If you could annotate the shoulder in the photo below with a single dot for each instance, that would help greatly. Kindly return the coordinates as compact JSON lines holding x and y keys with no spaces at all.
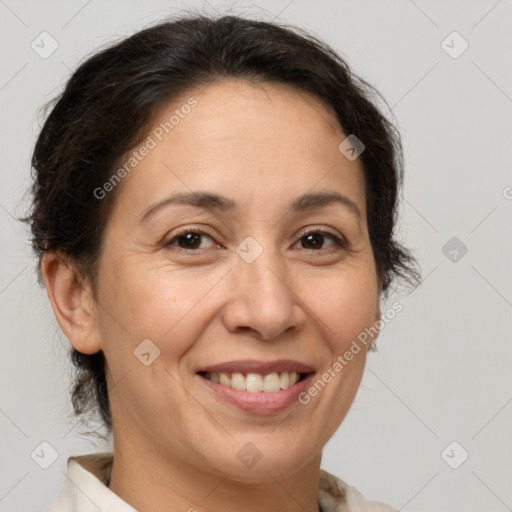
{"x":335,"y":495}
{"x":85,"y":488}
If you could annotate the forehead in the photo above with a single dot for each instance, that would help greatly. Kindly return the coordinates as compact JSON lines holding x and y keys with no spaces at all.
{"x":236,"y":109}
{"x":245,"y":140}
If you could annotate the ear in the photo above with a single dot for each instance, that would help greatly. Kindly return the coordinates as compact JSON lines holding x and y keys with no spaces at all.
{"x":72,"y":302}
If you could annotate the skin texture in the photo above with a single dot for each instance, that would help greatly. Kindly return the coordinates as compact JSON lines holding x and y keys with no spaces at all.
{"x":261,"y":146}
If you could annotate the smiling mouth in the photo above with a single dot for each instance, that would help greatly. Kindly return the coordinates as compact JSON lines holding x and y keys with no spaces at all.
{"x":255,"y":382}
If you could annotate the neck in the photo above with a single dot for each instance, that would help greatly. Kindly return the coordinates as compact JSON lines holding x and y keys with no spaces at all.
{"x":176,"y":485}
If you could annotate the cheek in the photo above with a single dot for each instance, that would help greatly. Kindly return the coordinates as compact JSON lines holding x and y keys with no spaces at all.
{"x":347,"y":304}
{"x":162,"y":305}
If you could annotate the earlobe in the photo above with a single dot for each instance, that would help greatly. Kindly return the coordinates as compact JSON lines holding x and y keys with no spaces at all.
{"x":72,"y":302}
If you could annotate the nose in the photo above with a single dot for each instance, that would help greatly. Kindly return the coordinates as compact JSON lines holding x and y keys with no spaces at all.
{"x":262,"y":297}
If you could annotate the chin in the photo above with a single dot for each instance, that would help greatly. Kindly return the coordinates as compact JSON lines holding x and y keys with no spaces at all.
{"x":261,"y":462}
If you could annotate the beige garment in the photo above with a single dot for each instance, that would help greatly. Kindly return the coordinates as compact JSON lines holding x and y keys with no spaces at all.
{"x":85,"y":490}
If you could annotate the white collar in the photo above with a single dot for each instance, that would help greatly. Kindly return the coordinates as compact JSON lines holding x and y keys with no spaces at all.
{"x":84,"y":490}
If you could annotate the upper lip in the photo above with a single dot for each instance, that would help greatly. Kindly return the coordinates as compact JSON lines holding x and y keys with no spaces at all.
{"x":262,"y":367}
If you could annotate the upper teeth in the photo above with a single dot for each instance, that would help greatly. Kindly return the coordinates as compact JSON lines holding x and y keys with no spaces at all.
{"x":254,"y":381}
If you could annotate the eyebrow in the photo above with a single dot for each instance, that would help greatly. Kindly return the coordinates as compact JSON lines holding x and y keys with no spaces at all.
{"x":208,"y":200}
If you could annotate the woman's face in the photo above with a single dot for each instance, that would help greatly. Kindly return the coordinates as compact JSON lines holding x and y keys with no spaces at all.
{"x":242,"y":282}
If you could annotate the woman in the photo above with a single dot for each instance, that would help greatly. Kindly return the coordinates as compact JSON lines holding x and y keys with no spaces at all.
{"x":214,"y":204}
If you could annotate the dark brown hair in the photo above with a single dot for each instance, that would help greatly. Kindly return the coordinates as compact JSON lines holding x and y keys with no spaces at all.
{"x":111,"y":99}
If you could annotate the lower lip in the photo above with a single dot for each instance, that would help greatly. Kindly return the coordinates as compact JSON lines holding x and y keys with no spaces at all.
{"x":259,"y":402}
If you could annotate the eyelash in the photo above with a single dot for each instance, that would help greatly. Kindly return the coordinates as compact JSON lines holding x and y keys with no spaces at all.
{"x":339,"y":242}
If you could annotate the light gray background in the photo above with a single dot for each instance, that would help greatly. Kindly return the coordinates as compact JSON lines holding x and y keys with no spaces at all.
{"x":443,"y":369}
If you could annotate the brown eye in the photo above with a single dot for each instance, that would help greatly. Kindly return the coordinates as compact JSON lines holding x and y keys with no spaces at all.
{"x":313,"y":240}
{"x":187,"y":240}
